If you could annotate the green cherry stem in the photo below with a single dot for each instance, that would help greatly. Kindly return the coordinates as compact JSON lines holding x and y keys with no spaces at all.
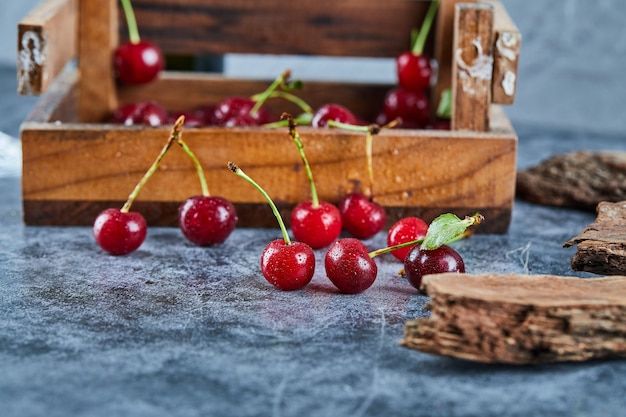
{"x":194,"y":159}
{"x":444,"y":109}
{"x":293,"y":132}
{"x":304,"y":106}
{"x":418,"y":46}
{"x":131,"y":22}
{"x":301,"y":119}
{"x":238,"y":171}
{"x":394,"y":247}
{"x":174,"y":135}
{"x":262,"y":97}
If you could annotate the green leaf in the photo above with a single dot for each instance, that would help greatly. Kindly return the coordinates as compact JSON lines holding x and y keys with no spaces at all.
{"x":447,"y":228}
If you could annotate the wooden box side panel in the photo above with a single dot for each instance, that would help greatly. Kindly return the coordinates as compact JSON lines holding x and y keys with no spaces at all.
{"x":413,"y":170}
{"x":367,"y":28}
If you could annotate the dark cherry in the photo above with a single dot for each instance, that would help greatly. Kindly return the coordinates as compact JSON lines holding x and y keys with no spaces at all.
{"x":349,"y":266}
{"x":191,"y":118}
{"x":119,"y":233}
{"x":360,"y":216}
{"x":316,"y":226}
{"x":335,"y":112}
{"x":206,"y":113}
{"x":235,"y":110}
{"x":410,"y":106}
{"x":405,"y":230}
{"x":142,"y":113}
{"x":414,"y":71}
{"x":137,"y":63}
{"x":288,"y":266}
{"x":420,"y":262}
{"x":207,"y":220}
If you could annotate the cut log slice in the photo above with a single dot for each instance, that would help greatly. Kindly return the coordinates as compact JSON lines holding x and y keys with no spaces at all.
{"x":521,"y":319}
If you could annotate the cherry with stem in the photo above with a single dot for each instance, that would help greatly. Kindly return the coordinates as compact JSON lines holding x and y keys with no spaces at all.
{"x":136,"y":61}
{"x":413,"y":67}
{"x":288,"y":265}
{"x":352,"y":269}
{"x":121,"y":231}
{"x":314,"y":222}
{"x":204,"y":219}
{"x":360,"y":216}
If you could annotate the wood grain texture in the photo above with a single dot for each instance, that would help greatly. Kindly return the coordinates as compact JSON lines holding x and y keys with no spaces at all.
{"x":472,"y":68}
{"x":601,"y":246}
{"x":46,"y":43}
{"x":346,"y":28}
{"x":444,"y":35}
{"x":508,"y":42}
{"x":98,"y":37}
{"x":521,"y":319}
{"x":96,"y":162}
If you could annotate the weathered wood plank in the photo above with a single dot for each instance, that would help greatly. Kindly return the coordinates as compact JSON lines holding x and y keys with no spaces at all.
{"x":46,"y":43}
{"x":98,"y":37}
{"x":508,"y":40}
{"x":472,"y":68}
{"x":444,"y":33}
{"x":364,"y":28}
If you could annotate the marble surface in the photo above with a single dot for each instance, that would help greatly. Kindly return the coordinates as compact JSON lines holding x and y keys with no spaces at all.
{"x":174,"y":329}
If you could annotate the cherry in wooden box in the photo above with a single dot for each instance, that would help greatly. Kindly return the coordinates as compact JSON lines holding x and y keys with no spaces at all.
{"x":74,"y":165}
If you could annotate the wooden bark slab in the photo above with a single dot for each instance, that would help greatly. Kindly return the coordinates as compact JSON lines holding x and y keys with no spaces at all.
{"x":601,"y":247}
{"x":578,"y":180}
{"x":522,"y":319}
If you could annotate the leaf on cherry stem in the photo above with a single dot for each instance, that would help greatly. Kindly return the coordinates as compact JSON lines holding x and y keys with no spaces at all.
{"x":448,"y":228}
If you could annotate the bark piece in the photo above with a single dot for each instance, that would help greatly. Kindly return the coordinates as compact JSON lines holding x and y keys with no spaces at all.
{"x":576,"y":180}
{"x":601,"y":246}
{"x":521,"y":319}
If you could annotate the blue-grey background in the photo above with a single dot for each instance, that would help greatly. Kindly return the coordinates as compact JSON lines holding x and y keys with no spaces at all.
{"x":571,"y":72}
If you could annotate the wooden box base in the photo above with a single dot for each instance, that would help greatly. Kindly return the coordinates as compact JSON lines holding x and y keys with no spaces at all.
{"x":71,"y":171}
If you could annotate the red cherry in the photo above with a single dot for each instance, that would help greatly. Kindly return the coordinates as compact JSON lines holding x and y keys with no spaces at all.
{"x":410,"y":106}
{"x":206,"y":113}
{"x":288,"y":266}
{"x":414,"y":72}
{"x":405,"y":230}
{"x":191,"y":118}
{"x":361,"y":217}
{"x":335,"y":112}
{"x":137,"y":63}
{"x":234,"y":110}
{"x":207,"y":220}
{"x":349,"y":266}
{"x":119,"y":233}
{"x":317,"y":226}
{"x":420,"y":262}
{"x":142,"y":113}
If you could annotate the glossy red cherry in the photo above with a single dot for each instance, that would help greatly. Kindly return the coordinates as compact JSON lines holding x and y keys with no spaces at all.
{"x":414,"y":71}
{"x":361,"y":217}
{"x":206,"y":113}
{"x":316,"y":226}
{"x":335,"y":112}
{"x":235,"y":111}
{"x":148,"y":113}
{"x":137,"y":63}
{"x":349,"y":266}
{"x":119,"y":233}
{"x":207,"y":220}
{"x":405,"y":230}
{"x":191,"y":118}
{"x":410,"y":106}
{"x":420,"y":262}
{"x":288,"y":266}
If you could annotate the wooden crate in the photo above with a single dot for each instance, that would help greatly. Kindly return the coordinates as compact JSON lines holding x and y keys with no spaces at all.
{"x":74,"y":165}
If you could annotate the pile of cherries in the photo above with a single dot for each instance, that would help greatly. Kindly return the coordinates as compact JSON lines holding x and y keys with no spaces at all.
{"x":207,"y":220}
